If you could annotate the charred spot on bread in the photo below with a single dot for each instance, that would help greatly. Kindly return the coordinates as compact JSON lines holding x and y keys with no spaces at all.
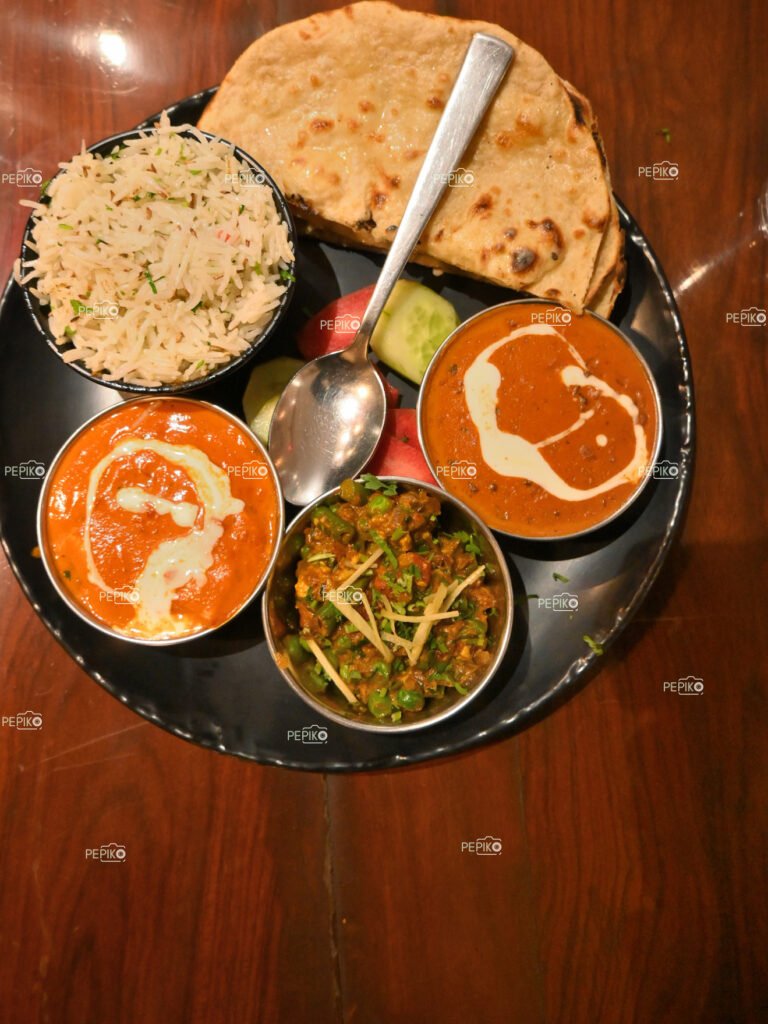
{"x":550,"y":231}
{"x":578,"y":109}
{"x":301,"y":204}
{"x":483,"y":205}
{"x":593,"y":221}
{"x":600,"y":148}
{"x":522,"y":260}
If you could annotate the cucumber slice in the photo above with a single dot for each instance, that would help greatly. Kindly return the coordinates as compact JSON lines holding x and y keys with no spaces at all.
{"x":265,"y":386}
{"x":413,"y":325}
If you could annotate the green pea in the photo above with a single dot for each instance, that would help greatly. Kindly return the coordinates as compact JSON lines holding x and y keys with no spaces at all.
{"x":379,"y":703}
{"x":410,"y":700}
{"x":379,"y":504}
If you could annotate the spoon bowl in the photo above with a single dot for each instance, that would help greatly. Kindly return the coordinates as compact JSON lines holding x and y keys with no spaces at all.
{"x":327,"y":424}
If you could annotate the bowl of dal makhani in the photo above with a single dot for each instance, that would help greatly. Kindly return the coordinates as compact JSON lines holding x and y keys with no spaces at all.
{"x":160,"y":519}
{"x":547,"y":424}
{"x":158,"y":260}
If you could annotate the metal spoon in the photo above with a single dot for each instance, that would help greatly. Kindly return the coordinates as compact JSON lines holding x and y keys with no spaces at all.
{"x":331,"y":415}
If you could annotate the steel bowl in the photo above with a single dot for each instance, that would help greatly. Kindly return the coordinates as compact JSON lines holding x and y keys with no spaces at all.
{"x":40,"y":315}
{"x":279,"y":614}
{"x":627,"y":341}
{"x":47,"y":556}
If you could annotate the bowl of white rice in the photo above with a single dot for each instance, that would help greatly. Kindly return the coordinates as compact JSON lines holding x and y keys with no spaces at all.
{"x":158,"y":260}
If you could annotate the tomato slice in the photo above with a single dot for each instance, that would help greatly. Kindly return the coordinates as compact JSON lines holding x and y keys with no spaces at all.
{"x":393,"y":395}
{"x":334,"y":327}
{"x":399,"y":452}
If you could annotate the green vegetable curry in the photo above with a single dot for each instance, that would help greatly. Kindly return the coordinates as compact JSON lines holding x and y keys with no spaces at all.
{"x":393,"y":611}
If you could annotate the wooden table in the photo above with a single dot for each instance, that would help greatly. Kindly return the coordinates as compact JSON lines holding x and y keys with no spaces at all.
{"x":631,"y":887}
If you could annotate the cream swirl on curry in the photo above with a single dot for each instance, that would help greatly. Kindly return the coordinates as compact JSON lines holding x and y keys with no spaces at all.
{"x":511,"y":455}
{"x":178,"y":560}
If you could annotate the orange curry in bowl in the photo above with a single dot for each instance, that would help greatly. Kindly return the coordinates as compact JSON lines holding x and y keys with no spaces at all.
{"x":160,"y":518}
{"x":544,"y":422}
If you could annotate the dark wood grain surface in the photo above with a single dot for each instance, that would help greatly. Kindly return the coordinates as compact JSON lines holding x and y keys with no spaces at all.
{"x":631,"y":886}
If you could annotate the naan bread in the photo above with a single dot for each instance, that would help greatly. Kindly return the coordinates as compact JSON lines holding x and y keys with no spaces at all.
{"x":608,"y":269}
{"x":341,"y":107}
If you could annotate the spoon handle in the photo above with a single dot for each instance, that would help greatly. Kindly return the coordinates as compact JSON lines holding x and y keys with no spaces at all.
{"x":482,"y":71}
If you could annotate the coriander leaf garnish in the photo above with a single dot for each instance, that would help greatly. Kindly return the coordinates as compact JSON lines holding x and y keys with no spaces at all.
{"x":149,"y":277}
{"x":593,"y":645}
{"x":469,"y":540}
{"x":559,"y":578}
{"x":372,"y":483}
{"x":286,"y":275}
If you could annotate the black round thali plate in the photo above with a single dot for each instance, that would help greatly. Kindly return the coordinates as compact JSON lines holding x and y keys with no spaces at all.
{"x":223,"y":691}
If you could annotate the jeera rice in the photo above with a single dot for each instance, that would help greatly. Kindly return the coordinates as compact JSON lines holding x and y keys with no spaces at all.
{"x":160,"y":262}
